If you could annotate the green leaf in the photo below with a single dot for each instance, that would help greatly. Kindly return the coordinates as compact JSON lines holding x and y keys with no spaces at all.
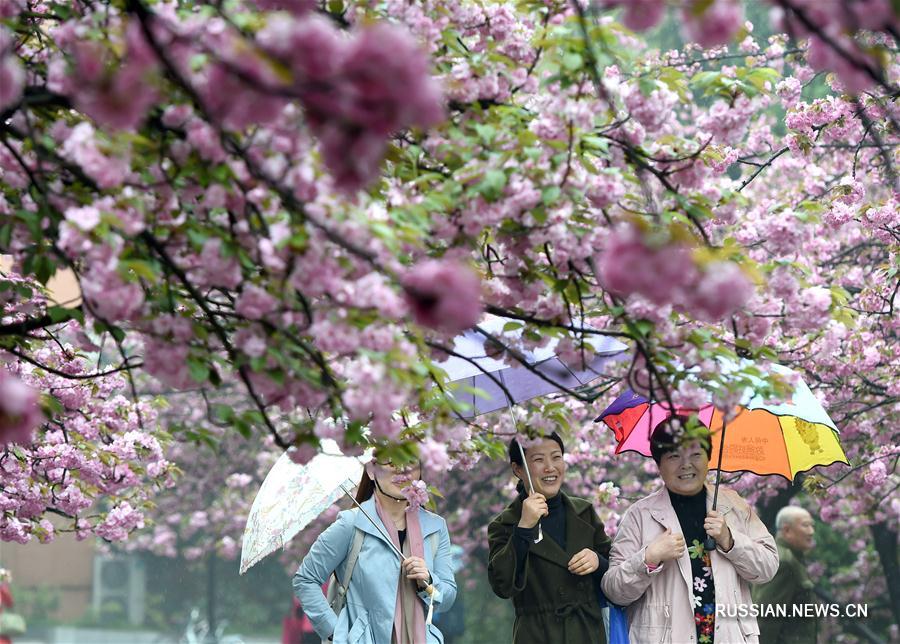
{"x":595,"y":143}
{"x":197,"y":237}
{"x":198,"y":369}
{"x":647,"y":85}
{"x":485,"y":132}
{"x":550,"y":195}
{"x":141,"y":268}
{"x":491,"y":186}
{"x":44,"y":268}
{"x":117,"y":333}
{"x":644,"y":327}
{"x":6,"y":235}
{"x":243,"y":427}
{"x":59,"y":313}
{"x":704,"y":80}
{"x":573,"y":61}
{"x":52,"y":405}
{"x":760,"y":76}
{"x":222,"y":413}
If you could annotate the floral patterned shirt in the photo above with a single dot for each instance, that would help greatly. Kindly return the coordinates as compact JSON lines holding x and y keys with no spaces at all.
{"x":691,"y":512}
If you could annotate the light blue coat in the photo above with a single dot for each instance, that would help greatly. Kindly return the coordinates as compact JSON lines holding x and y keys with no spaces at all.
{"x":368,"y":613}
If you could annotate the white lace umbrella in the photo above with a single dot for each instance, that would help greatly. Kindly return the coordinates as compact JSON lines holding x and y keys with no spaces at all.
{"x":293,"y":495}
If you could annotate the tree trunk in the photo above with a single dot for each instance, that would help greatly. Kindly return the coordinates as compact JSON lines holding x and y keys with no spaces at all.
{"x":885,"y":541}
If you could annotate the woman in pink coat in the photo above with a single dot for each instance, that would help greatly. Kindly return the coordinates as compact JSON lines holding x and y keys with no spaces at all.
{"x":674,"y":590}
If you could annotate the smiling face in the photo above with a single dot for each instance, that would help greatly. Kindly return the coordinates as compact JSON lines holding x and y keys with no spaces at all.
{"x":546,"y":465}
{"x":684,"y":470}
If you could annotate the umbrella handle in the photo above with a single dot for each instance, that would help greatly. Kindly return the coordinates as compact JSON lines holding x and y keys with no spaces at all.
{"x":540,"y":536}
{"x":709,"y":544}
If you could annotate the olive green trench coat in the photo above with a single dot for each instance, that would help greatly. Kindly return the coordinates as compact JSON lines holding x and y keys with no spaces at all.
{"x":790,"y":585}
{"x":552,"y":605}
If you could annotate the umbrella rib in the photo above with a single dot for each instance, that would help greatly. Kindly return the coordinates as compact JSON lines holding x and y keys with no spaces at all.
{"x":573,"y":374}
{"x":439,"y":347}
{"x":530,"y":367}
{"x":787,"y":452}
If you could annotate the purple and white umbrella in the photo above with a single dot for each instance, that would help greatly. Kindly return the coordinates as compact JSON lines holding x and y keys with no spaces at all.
{"x":474,"y":367}
{"x":481,"y":371}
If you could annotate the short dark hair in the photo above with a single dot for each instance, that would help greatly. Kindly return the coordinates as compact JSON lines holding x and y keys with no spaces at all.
{"x":515,"y":454}
{"x":669,"y":435}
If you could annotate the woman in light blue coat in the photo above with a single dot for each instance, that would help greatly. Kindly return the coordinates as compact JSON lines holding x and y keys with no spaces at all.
{"x":385,"y":603}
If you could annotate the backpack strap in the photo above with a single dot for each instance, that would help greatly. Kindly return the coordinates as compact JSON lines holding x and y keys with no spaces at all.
{"x":355,"y":547}
{"x":337,"y":591}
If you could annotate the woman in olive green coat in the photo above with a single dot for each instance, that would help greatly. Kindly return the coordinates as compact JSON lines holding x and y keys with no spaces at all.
{"x":554,"y":583}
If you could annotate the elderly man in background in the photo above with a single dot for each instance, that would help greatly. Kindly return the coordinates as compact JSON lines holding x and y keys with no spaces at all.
{"x":791,"y":584}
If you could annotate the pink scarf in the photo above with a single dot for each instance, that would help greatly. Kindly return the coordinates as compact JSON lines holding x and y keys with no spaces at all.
{"x":417,"y":549}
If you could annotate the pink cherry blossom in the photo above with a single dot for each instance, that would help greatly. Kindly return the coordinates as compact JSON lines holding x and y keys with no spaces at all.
{"x":640,"y":15}
{"x":167,"y":362}
{"x":109,"y":296}
{"x":876,"y":474}
{"x":119,"y":98}
{"x":20,"y":413}
{"x":12,"y":74}
{"x":812,"y":307}
{"x":217,"y":269}
{"x":302,"y":454}
{"x":386,"y":82}
{"x":356,"y":93}
{"x":628,"y":265}
{"x":434,"y":456}
{"x":711,"y":23}
{"x":233,"y":96}
{"x":721,"y":290}
{"x":443,"y":294}
{"x":107,"y":169}
{"x":85,"y":218}
{"x":255,"y":303}
{"x":297,"y":7}
{"x":852,"y":73}
{"x":416,"y":493}
{"x":605,"y":189}
{"x":120,"y":521}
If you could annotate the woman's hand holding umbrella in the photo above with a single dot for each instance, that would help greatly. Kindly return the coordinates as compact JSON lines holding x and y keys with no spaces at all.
{"x":715,"y":527}
{"x":533,"y":509}
{"x":416,"y":569}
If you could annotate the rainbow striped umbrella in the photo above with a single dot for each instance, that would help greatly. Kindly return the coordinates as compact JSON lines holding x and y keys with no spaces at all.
{"x":784,"y":439}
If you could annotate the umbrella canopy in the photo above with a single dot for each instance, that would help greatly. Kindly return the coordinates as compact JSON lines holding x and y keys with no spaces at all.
{"x":293,"y":495}
{"x":472,"y":362}
{"x":783,"y":439}
{"x":521,"y":383}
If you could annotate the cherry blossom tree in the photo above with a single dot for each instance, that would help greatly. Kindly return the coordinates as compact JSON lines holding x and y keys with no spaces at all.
{"x":99,"y":459}
{"x":304,"y":201}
